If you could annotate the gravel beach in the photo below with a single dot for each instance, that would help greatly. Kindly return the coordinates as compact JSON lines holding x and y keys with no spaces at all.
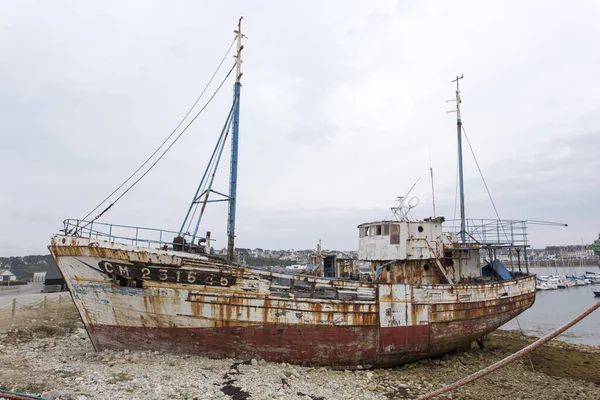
{"x":49,"y":354}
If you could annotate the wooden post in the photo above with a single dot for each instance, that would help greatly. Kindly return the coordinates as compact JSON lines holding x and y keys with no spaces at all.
{"x":59,"y":298}
{"x":14,"y":308}
{"x":45,"y":301}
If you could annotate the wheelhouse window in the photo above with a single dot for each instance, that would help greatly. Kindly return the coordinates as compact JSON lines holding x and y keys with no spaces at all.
{"x":375,"y":230}
{"x":394,"y":234}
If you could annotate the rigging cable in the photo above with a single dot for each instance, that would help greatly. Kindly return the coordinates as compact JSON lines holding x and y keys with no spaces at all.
{"x":483,"y":179}
{"x":166,"y":150}
{"x":214,"y":172}
{"x":497,"y":215}
{"x":165,"y":141}
{"x":206,"y":187}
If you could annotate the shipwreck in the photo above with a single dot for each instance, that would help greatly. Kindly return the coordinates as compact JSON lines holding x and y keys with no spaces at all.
{"x":430,"y":291}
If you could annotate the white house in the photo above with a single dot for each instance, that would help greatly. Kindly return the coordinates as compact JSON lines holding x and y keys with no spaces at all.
{"x":6,"y":275}
{"x":39,"y":276}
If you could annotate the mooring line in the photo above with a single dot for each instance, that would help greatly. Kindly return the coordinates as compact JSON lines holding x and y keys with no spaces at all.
{"x":512,"y":357}
{"x":6,"y":394}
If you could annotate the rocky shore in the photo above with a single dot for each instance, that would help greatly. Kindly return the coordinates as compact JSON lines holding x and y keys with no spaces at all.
{"x":54,"y":358}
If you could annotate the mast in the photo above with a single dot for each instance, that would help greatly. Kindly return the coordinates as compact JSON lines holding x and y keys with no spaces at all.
{"x":460,"y":161}
{"x":234,"y":146}
{"x":432,"y":191}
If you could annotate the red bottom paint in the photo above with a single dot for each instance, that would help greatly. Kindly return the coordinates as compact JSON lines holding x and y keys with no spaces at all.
{"x":334,"y":346}
{"x":314,"y":345}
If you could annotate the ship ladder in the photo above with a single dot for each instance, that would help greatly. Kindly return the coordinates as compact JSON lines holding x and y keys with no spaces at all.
{"x":440,"y":267}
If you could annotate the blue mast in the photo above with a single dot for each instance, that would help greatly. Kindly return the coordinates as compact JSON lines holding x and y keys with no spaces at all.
{"x":234,"y":146}
{"x":460,"y":162}
{"x":205,"y":188}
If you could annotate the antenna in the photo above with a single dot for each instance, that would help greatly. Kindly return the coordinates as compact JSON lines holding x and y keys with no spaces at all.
{"x":240,"y":47}
{"x":403,"y":207}
{"x":432,"y":191}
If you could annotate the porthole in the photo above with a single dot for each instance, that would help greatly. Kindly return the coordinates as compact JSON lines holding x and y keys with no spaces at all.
{"x":420,"y":229}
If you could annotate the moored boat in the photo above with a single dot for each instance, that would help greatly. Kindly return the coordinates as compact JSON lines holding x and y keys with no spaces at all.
{"x":548,"y":283}
{"x":592,"y":277}
{"x":541,"y":285}
{"x":138,"y":288}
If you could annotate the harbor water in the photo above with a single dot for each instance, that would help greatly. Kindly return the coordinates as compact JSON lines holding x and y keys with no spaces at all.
{"x":554,"y":308}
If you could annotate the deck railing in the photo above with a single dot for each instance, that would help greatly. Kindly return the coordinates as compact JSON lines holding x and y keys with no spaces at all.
{"x":493,"y":232}
{"x":127,"y":234}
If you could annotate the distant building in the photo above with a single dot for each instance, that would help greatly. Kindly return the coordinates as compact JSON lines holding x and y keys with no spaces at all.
{"x":6,"y":275}
{"x":54,"y":281}
{"x":39,"y":276}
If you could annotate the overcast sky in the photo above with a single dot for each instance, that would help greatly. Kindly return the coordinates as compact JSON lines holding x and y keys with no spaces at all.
{"x":343,"y":108}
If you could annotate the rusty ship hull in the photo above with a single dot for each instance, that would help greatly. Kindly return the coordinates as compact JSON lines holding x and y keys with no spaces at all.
{"x":137,"y":298}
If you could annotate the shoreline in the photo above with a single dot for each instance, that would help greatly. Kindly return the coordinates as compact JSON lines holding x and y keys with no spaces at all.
{"x":555,"y":358}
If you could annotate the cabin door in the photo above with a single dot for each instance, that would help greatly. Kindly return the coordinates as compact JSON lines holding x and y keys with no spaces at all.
{"x":329,"y":267}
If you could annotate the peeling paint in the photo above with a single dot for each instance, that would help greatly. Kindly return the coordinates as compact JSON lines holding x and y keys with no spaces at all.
{"x":280,"y":317}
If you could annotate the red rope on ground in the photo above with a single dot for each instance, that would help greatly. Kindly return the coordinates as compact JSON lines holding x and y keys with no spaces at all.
{"x":512,"y":357}
{"x":16,"y":396}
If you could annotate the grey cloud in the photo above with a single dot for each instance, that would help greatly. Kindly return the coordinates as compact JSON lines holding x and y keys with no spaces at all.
{"x":343,"y":107}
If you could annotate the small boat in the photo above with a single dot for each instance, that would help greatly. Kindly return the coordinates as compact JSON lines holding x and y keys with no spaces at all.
{"x":560,"y":281}
{"x":592,"y":277}
{"x":549,"y":284}
{"x":541,"y":285}
{"x":596,"y":293}
{"x":578,"y":282}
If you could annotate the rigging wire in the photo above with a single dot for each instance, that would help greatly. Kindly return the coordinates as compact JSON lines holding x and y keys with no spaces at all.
{"x":214,"y":172}
{"x":166,"y":140}
{"x":484,"y":182}
{"x":167,"y":149}
{"x":212,"y":166}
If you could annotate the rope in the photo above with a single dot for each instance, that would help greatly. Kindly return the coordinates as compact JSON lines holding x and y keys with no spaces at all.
{"x":213,"y":163}
{"x":166,"y":140}
{"x":30,"y":305}
{"x":512,"y":357}
{"x":9,"y":304}
{"x":47,"y":300}
{"x":6,"y":394}
{"x":165,"y":151}
{"x":484,"y":182}
{"x":523,"y":333}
